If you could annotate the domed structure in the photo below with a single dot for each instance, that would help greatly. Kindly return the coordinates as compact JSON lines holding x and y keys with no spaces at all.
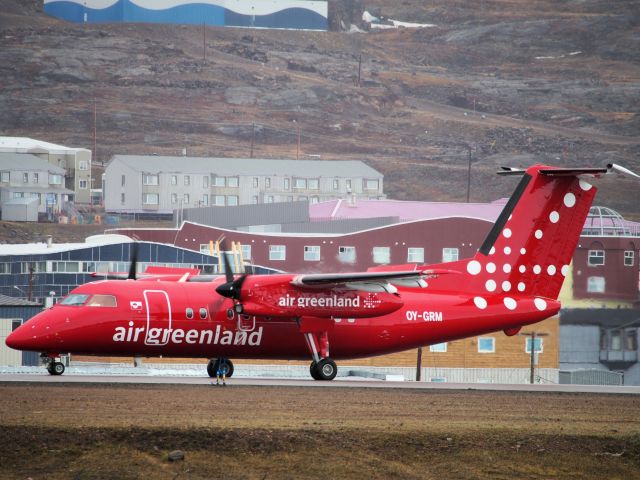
{"x":603,"y":221}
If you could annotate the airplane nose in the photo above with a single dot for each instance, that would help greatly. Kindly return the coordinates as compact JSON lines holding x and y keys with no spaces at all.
{"x":21,"y":339}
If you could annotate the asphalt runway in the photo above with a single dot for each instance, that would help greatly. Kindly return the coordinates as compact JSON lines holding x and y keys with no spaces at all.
{"x":337,"y":383}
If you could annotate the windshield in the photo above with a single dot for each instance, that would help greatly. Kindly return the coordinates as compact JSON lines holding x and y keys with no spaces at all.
{"x":74,"y":299}
{"x":102,"y":301}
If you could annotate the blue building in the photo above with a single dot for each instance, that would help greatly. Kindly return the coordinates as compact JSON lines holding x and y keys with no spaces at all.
{"x":13,"y":313}
{"x":286,"y":14}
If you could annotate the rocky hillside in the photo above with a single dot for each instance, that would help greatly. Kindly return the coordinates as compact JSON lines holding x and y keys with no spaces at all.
{"x":502,"y":81}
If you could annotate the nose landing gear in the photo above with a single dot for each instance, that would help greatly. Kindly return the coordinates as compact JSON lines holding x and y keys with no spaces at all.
{"x":53,"y":367}
{"x":223,"y":364}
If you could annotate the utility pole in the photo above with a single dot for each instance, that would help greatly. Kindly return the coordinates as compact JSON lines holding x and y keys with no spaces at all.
{"x":253,"y":134}
{"x":532,"y":359}
{"x":298,"y":149}
{"x":359,"y":69}
{"x":469,"y":174}
{"x":419,"y":365}
{"x":95,"y":129}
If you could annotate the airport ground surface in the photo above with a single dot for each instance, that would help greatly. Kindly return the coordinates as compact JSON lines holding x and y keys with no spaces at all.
{"x":76,"y":430}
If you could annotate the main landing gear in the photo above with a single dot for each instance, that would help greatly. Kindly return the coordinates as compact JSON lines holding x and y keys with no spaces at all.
{"x":325,"y":369}
{"x":322,"y":367}
{"x":53,"y":367}
{"x":224,"y":364}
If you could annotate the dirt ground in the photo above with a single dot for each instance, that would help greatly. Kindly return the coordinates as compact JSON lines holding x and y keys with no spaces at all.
{"x":127,"y":431}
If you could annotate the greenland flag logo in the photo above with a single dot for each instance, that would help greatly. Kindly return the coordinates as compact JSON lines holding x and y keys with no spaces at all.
{"x":135,"y":305}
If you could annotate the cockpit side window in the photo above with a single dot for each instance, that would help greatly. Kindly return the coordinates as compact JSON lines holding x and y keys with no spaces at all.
{"x":75,"y":299}
{"x":102,"y":301}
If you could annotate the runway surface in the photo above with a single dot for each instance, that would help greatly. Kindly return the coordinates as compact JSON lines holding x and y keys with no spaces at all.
{"x":337,"y":383}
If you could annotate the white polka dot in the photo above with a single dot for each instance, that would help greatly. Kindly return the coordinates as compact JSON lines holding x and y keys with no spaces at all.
{"x":564,"y":270}
{"x":540,"y":303}
{"x":551,"y":270}
{"x":507,"y":232}
{"x":490,"y":285}
{"x":480,"y":302}
{"x":507,"y":250}
{"x":586,"y":186}
{"x":522,"y":269}
{"x":569,"y":199}
{"x":537,"y":269}
{"x":506,"y":286}
{"x":523,"y":251}
{"x":492,"y":251}
{"x":491,"y":267}
{"x":510,"y":303}
{"x":521,"y":287}
{"x":554,"y":217}
{"x":538,"y":234}
{"x":506,"y":268}
{"x":474,"y":267}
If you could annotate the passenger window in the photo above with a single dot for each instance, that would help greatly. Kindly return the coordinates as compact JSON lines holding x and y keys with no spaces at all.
{"x":203,"y":313}
{"x":102,"y":301}
{"x":189,"y":313}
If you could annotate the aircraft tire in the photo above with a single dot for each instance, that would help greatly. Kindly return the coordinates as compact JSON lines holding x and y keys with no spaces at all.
{"x":229,"y":365}
{"x":326,"y":369}
{"x":55,"y":368}
{"x":211,"y":369}
{"x":313,"y":370}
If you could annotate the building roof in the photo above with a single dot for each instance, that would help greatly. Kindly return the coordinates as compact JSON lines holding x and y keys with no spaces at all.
{"x":35,"y":189}
{"x":405,"y":210}
{"x":21,"y":201}
{"x":6,"y":301}
{"x":26,"y":145}
{"x":247,"y":166}
{"x":26,"y":161}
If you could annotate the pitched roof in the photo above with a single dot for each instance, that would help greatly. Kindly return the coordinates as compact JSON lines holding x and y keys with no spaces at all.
{"x":248,"y":166}
{"x":26,"y":161}
{"x":6,"y":301}
{"x":25,"y":145}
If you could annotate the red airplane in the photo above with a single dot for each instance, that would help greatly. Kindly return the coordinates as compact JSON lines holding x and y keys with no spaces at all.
{"x":513,"y":280}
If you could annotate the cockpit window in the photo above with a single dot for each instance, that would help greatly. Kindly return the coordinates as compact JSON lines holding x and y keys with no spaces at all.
{"x":102,"y":301}
{"x":75,"y":299}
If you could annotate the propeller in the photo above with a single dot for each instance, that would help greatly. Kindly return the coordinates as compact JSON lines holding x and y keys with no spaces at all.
{"x":233,"y":286}
{"x":133,"y":265}
{"x":621,"y":169}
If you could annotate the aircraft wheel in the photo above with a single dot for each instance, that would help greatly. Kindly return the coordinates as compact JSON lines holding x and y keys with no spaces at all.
{"x":211,"y":369}
{"x":313,"y":370}
{"x":225,"y":364}
{"x":326,"y":369}
{"x":55,"y":368}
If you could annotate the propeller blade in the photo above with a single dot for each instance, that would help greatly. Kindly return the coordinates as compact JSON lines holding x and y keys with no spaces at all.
{"x":133,"y":262}
{"x":228,"y":271}
{"x":621,"y":169}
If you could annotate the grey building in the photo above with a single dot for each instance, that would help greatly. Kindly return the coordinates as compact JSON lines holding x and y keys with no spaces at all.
{"x":159,"y":185}
{"x":23,"y":175}
{"x":76,"y":162}
{"x":13,"y":313}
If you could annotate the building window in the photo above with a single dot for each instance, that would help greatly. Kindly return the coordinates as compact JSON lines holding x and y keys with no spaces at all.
{"x":256,"y":182}
{"x":5,"y":268}
{"x":4,"y":177}
{"x":538,"y":345}
{"x":25,"y":178}
{"x":219,"y":181}
{"x":36,"y":179}
{"x":123,"y":180}
{"x":596,"y":257}
{"x":631,"y":340}
{"x":438,"y":348}
{"x":174,"y":198}
{"x":148,"y":179}
{"x":205,"y":200}
{"x":205,"y":182}
{"x":36,"y":267}
{"x":371,"y":184}
{"x":18,"y":194}
{"x":246,"y":252}
{"x":268,"y":199}
{"x":277,"y":252}
{"x":185,"y":199}
{"x":233,"y":182}
{"x":300,"y":183}
{"x":65,"y":267}
{"x":347,"y":254}
{"x":629,"y":258}
{"x":415,"y":255}
{"x":150,"y":198}
{"x":55,"y":179}
{"x":312,"y":253}
{"x":336,"y":184}
{"x":450,"y":254}
{"x":122,"y":198}
{"x":232,"y":200}
{"x":314,"y":184}
{"x":486,"y":344}
{"x":255,"y":199}
{"x":218,"y":200}
{"x":315,"y":200}
{"x":348,"y":185}
{"x":595,"y":284}
{"x":83,"y":184}
{"x":267,"y":182}
{"x":174,"y":180}
{"x":287,"y":184}
{"x":187,"y":180}
{"x":381,"y":255}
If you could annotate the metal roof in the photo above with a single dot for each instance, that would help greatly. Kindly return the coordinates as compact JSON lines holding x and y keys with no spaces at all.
{"x":26,"y":161}
{"x":6,"y":301}
{"x":21,"y":201}
{"x":26,"y":145}
{"x":247,"y":166}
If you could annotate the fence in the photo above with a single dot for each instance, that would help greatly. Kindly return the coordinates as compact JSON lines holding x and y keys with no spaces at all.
{"x":591,"y":377}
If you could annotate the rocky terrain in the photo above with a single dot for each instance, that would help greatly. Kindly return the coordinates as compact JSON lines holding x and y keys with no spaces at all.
{"x":497,"y":81}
